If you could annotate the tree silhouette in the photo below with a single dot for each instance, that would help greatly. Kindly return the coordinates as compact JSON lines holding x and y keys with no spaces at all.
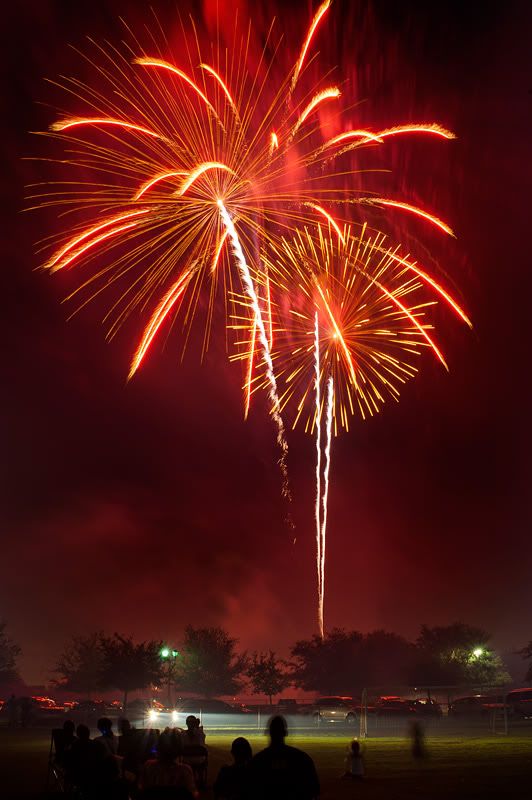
{"x":330,"y":665}
{"x":458,"y":653}
{"x":128,"y":666}
{"x":9,"y":652}
{"x":209,"y":664}
{"x":80,"y":665}
{"x":266,"y":674}
{"x":526,"y":652}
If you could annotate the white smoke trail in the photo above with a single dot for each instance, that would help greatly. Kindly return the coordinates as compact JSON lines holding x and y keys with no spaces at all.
{"x":273,"y":394}
{"x":318,"y":470}
{"x":328,"y":423}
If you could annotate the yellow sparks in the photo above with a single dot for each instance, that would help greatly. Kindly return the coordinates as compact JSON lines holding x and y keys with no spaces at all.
{"x":413,"y":210}
{"x":73,"y":122}
{"x":315,"y":22}
{"x":90,"y":232}
{"x":159,"y":63}
{"x":328,"y":217}
{"x":162,"y":177}
{"x":225,"y":90}
{"x":196,"y":173}
{"x":326,"y":94}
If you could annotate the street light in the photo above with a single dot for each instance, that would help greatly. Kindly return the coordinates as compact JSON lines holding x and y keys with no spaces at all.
{"x":168,"y":654}
{"x":478,"y":652}
{"x":165,"y":652}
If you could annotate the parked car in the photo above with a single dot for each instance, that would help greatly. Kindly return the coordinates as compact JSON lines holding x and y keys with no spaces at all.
{"x":91,"y":709}
{"x":477,"y":705}
{"x":391,"y":705}
{"x":287,"y":705}
{"x":335,"y":709}
{"x":46,"y":705}
{"x":426,"y":707}
{"x":519,"y":702}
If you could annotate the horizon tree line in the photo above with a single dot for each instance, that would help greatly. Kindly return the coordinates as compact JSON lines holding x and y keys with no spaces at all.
{"x":207,"y":662}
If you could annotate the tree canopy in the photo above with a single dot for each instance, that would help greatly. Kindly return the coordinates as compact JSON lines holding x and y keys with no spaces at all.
{"x":9,"y":653}
{"x":209,"y":664}
{"x":458,"y":653}
{"x":80,"y":665}
{"x":128,"y":666}
{"x":327,"y":665}
{"x":266,"y":674}
{"x":526,"y":652}
{"x":346,"y":661}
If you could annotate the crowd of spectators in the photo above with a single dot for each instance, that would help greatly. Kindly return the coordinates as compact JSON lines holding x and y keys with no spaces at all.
{"x":172,"y":764}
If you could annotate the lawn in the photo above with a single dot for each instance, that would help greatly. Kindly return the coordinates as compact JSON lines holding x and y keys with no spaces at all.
{"x":484,"y":767}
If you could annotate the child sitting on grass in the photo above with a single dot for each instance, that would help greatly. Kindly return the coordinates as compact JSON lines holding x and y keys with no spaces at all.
{"x":354,"y":765}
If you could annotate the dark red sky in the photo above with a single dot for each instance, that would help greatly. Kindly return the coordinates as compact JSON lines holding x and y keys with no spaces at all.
{"x":145,"y":507}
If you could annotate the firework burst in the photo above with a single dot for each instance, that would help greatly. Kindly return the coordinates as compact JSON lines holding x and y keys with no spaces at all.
{"x":353,"y":318}
{"x":372,"y":307}
{"x":194,"y":183}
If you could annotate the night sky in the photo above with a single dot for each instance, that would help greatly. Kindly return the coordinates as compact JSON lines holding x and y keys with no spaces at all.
{"x":147,"y":506}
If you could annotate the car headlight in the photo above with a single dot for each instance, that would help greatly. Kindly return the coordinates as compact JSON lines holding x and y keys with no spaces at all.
{"x":175,"y":716}
{"x":152,"y":714}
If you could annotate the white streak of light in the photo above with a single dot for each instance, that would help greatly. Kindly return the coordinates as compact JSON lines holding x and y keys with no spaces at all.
{"x":273,"y":393}
{"x":318,"y":470}
{"x":329,"y":416}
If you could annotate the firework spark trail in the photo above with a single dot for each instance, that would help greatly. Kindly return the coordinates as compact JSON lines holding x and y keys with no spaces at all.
{"x":161,"y":312}
{"x":250,"y":369}
{"x":384,"y":201}
{"x":273,"y":393}
{"x":86,"y":234}
{"x":318,"y":468}
{"x":315,"y":22}
{"x":329,"y":416}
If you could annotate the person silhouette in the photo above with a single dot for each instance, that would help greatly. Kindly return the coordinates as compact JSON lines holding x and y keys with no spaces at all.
{"x":234,"y":781}
{"x":164,"y":773}
{"x":281,"y":771}
{"x":354,"y":765}
{"x":194,"y":734}
{"x":107,"y":737}
{"x":417,"y":739}
{"x":13,"y":712}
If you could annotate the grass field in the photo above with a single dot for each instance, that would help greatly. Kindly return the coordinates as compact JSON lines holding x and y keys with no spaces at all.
{"x":483,"y":767}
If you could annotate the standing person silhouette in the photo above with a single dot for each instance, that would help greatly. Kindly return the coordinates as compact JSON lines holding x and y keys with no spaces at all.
{"x":283,"y":772}
{"x":234,"y":782}
{"x":417,"y":739}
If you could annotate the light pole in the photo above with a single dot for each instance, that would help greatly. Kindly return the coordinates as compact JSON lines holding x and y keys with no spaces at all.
{"x":168,"y":656}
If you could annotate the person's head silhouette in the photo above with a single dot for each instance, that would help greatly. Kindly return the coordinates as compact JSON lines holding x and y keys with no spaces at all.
{"x":69,"y":727}
{"x":278,"y":729}
{"x":83,"y":733}
{"x":192,"y":722}
{"x":355,"y":747}
{"x":124,"y":725}
{"x":241,"y":750}
{"x":105,"y":726}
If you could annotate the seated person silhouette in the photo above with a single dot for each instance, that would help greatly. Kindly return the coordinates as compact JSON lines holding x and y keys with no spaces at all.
{"x":163,"y":776}
{"x":194,"y":752}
